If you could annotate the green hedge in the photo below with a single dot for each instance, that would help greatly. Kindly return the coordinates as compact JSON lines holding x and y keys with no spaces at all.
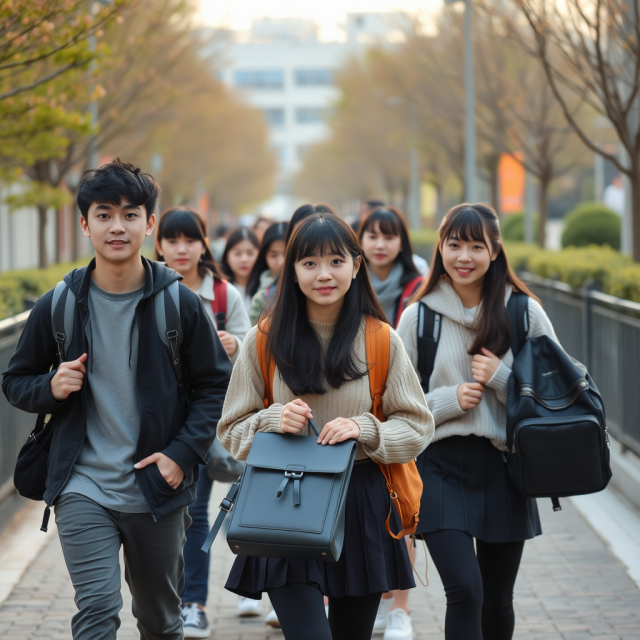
{"x":16,"y":286}
{"x":616,"y":274}
{"x":591,"y":223}
{"x":512,"y":227}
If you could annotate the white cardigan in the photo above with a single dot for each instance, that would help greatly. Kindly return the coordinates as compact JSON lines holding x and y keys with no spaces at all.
{"x":237,"y":317}
{"x":452,"y":366}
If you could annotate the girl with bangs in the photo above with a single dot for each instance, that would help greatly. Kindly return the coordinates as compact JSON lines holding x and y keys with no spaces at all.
{"x":239,"y":257}
{"x":182,"y":243}
{"x":387,"y":249}
{"x":315,"y":333}
{"x":467,"y":494}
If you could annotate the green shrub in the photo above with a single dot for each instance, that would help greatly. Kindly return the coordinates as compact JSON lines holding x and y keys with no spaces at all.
{"x":423,"y":242}
{"x":519,"y":253}
{"x":591,"y":223}
{"x":512,"y":227}
{"x":15,"y":286}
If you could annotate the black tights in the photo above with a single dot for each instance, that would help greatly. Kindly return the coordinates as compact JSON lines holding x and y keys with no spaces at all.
{"x":479,"y":587}
{"x":300,"y":610}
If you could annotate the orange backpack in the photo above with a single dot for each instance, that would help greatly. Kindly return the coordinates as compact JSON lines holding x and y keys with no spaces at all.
{"x":403,"y":480}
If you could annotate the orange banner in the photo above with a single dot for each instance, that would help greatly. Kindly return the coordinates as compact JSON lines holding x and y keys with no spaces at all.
{"x":512,"y":180}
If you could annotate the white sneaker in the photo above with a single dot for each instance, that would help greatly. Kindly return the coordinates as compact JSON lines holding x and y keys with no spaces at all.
{"x":272,"y":619}
{"x":195,"y":622}
{"x":248,"y":608}
{"x":399,"y":626}
{"x":381,"y":618}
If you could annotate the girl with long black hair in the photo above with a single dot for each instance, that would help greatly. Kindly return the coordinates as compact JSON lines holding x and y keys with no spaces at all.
{"x":267,"y":267}
{"x":315,"y":333}
{"x":181,"y":242}
{"x":239,"y":257}
{"x":467,"y":494}
{"x":386,"y":246}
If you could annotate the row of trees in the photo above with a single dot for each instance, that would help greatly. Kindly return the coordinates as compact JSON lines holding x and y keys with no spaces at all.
{"x":140,"y":65}
{"x":544,"y":72}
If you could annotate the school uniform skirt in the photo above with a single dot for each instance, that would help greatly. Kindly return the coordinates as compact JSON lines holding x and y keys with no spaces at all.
{"x":371,"y":560}
{"x":467,"y":488}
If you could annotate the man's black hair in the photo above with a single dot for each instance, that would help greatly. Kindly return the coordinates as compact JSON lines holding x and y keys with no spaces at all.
{"x":374,"y":204}
{"x":114,"y":181}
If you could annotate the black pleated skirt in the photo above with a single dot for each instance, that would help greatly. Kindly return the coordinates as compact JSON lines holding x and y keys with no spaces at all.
{"x":467,"y":488}
{"x":371,"y":561}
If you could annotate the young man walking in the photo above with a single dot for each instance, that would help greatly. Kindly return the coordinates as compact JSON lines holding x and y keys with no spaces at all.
{"x":126,"y":438}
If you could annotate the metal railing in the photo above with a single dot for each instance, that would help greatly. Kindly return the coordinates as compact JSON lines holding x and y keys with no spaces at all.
{"x":15,"y":425}
{"x":602,"y":332}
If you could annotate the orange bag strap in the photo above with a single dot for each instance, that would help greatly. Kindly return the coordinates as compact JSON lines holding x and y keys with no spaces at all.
{"x":267,"y":363}
{"x":377,"y":337}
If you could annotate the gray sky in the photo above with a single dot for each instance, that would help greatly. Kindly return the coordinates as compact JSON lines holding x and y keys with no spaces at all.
{"x":237,"y":14}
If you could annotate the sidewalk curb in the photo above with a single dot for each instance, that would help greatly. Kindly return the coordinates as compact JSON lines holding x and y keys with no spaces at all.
{"x":626,"y":473}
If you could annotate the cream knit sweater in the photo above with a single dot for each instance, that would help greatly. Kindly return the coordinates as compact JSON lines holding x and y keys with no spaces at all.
{"x":452,"y":366}
{"x":405,"y":434}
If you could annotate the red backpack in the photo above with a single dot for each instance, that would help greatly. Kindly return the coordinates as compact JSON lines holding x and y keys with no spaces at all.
{"x":219,"y":303}
{"x":409,"y":289}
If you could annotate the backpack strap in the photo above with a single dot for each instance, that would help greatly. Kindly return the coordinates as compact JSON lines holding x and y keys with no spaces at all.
{"x":428,"y":329}
{"x":267,"y":363}
{"x":63,"y":306}
{"x":409,"y":289}
{"x":219,"y":303}
{"x":166,"y":304}
{"x":518,"y":309}
{"x":377,"y":337}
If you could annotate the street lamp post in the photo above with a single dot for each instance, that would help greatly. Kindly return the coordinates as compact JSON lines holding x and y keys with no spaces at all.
{"x":470,"y":121}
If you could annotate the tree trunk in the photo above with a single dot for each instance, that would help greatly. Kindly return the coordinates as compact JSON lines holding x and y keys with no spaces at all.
{"x":543,"y":188}
{"x":43,"y":263}
{"x":494,"y":186}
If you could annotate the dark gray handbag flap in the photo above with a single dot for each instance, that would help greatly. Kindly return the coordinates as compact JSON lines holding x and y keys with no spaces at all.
{"x":299,"y":453}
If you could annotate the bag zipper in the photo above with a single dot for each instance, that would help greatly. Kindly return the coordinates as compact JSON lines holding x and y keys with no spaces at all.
{"x":574,"y":392}
{"x":550,"y":421}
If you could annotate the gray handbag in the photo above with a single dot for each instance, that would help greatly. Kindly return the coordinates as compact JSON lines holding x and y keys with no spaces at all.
{"x":221,"y":465}
{"x":290,"y":499}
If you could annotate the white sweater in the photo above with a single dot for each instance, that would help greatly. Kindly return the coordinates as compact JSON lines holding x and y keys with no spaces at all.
{"x":452,"y":366}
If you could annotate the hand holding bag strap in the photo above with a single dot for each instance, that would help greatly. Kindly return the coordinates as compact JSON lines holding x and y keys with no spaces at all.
{"x":267,"y":363}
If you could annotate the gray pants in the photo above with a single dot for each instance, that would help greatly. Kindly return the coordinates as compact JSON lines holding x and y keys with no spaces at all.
{"x":91,"y":537}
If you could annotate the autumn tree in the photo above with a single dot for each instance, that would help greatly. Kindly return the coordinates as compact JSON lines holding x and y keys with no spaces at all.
{"x":590,"y":53}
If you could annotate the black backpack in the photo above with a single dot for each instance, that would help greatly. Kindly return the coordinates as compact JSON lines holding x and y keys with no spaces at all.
{"x":557,"y":441}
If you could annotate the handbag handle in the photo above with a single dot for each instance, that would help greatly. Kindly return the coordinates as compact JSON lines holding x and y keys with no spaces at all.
{"x":313,"y":426}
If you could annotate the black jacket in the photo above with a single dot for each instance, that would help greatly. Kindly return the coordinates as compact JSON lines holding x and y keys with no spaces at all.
{"x":179,"y":424}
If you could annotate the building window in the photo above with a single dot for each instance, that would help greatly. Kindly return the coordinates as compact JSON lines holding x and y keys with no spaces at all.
{"x":264,"y":79}
{"x":275,"y":117}
{"x":302,"y":150}
{"x":313,"y":77}
{"x":309,"y":115}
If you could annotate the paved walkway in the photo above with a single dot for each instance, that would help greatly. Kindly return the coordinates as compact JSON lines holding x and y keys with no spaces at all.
{"x":570,"y":587}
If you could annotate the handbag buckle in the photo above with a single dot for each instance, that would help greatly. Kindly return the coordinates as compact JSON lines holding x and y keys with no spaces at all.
{"x":294,"y":475}
{"x":226,"y":505}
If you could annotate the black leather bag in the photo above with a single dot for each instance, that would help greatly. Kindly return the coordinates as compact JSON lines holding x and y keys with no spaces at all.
{"x":290,"y":499}
{"x":557,"y":441}
{"x":30,"y":474}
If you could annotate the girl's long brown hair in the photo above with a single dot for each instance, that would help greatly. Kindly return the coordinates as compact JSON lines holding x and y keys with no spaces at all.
{"x":477,"y":223}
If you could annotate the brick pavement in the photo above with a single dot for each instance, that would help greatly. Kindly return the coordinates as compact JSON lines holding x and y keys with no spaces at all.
{"x":570,"y":587}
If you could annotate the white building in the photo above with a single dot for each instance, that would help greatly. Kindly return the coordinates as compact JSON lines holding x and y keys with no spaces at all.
{"x":282,"y":68}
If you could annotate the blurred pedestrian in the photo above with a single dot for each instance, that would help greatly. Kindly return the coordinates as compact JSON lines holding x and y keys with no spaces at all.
{"x":366,"y":207}
{"x":219,"y":240}
{"x":182,"y":243}
{"x":240,"y":254}
{"x":316,"y":336}
{"x":126,"y":441}
{"x":613,"y":196}
{"x":260,"y":227}
{"x":267,"y":268}
{"x":467,"y":494}
{"x":386,"y":247}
